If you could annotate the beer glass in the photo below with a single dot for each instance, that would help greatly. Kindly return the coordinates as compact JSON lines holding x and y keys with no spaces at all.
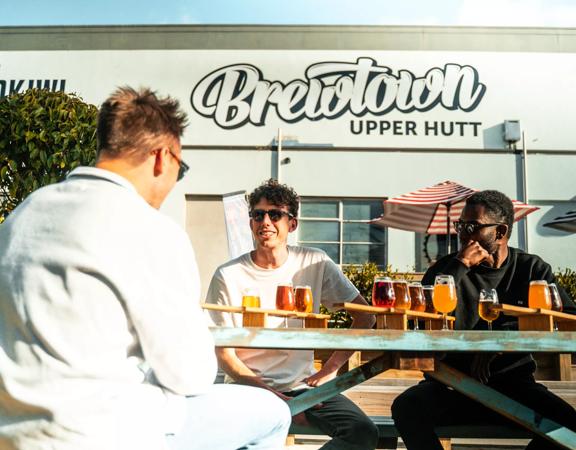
{"x":303,"y":299}
{"x":417,"y":301}
{"x":444,"y":297}
{"x":383,"y":292}
{"x":251,"y":298}
{"x":428,"y":295}
{"x":401,"y":293}
{"x":539,"y":295}
{"x":486,"y":302}
{"x":556,"y":301}
{"x":285,"y":299}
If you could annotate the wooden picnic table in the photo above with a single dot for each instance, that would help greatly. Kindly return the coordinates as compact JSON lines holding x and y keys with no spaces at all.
{"x":421,"y":346}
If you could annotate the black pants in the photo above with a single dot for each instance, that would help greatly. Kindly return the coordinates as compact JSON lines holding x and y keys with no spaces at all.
{"x":341,"y":419}
{"x":422,"y":407}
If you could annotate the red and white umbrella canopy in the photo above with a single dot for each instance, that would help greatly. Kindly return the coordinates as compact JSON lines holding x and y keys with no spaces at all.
{"x":433,"y":209}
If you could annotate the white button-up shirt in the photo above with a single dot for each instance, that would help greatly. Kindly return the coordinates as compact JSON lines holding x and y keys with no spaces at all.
{"x":96,"y":286}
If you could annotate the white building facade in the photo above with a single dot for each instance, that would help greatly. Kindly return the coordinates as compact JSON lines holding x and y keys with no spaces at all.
{"x":363,"y":113}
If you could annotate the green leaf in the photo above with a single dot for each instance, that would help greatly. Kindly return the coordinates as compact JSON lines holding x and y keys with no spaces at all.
{"x":40,"y":134}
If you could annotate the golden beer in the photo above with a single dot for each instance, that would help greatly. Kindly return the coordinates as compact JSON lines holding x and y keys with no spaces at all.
{"x":486,"y":312}
{"x":539,"y":295}
{"x":251,"y":301}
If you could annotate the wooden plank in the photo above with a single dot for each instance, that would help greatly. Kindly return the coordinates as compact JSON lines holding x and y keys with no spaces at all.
{"x":270,"y":312}
{"x":315,"y":322}
{"x":565,"y":367}
{"x":509,"y":408}
{"x":535,"y":322}
{"x":392,"y":340}
{"x":231,"y":309}
{"x":566,"y":326}
{"x":392,"y":322}
{"x":513,"y":310}
{"x":355,"y":307}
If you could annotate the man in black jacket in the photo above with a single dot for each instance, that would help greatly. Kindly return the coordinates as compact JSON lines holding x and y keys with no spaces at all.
{"x":485,"y":261}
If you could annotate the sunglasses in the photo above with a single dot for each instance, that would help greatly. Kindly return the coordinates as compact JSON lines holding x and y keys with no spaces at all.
{"x":275,"y":215}
{"x":182,"y":166}
{"x":472,"y":227}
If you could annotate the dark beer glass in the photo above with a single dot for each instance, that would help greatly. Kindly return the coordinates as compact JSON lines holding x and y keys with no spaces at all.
{"x":383,"y":292}
{"x":418,"y":303}
{"x":428,"y":295}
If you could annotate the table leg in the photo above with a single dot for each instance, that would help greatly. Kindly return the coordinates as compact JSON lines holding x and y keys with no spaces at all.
{"x":509,"y":408}
{"x":340,"y":383}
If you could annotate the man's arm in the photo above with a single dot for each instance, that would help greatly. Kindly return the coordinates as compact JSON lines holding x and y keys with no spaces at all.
{"x":338,"y":358}
{"x":240,"y":372}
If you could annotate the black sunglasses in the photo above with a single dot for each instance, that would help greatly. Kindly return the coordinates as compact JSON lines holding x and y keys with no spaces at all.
{"x":472,"y":227}
{"x":182,"y":166}
{"x":275,"y":214}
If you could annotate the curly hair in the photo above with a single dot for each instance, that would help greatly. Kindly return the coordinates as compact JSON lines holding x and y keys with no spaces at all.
{"x":277,"y":194}
{"x":497,"y":205}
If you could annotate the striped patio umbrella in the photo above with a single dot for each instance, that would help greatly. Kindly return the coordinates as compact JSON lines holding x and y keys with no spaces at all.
{"x":565,"y":222}
{"x":433,"y":209}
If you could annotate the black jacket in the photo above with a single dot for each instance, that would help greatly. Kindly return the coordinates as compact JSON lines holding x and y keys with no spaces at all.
{"x":511,"y":281}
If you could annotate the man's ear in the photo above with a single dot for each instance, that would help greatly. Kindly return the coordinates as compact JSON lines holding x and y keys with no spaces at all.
{"x":501,"y":231}
{"x":160,"y":161}
{"x":293,"y":225}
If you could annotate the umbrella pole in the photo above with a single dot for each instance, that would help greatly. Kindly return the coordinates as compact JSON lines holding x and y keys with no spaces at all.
{"x":448,"y":228}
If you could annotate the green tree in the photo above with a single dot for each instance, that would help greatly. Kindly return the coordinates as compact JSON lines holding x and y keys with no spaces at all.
{"x":43,"y":135}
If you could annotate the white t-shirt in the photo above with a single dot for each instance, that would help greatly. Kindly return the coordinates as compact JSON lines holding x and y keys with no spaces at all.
{"x":95,"y":287}
{"x":281,"y":369}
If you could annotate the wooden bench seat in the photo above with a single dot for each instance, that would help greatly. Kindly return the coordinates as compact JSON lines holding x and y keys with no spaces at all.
{"x":388,"y":435}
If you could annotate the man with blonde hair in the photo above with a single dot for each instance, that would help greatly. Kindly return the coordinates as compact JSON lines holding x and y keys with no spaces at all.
{"x":103,"y":344}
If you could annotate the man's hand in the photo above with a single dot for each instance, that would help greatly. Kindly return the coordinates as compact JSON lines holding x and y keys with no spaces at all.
{"x":321,"y":377}
{"x":473,"y":254}
{"x":481,"y":366}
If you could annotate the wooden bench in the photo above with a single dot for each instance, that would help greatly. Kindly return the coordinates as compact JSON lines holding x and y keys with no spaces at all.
{"x":388,"y":435}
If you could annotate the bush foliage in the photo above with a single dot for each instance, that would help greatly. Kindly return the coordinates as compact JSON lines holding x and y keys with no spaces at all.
{"x":567,"y":279}
{"x":43,"y":135}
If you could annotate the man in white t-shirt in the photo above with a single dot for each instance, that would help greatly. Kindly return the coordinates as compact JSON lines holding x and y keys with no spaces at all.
{"x":273,"y":213}
{"x":103,"y":344}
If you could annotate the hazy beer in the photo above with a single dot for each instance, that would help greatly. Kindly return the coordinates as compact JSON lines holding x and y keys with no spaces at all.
{"x":444,"y":297}
{"x":539,"y":295}
{"x":383,"y":292}
{"x":303,"y":299}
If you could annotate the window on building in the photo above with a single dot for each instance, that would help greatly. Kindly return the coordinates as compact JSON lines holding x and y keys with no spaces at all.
{"x":431,"y":247}
{"x":341,"y":229}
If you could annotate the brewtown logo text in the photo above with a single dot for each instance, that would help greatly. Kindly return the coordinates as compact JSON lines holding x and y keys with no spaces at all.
{"x":9,"y":87}
{"x":236,"y":95}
